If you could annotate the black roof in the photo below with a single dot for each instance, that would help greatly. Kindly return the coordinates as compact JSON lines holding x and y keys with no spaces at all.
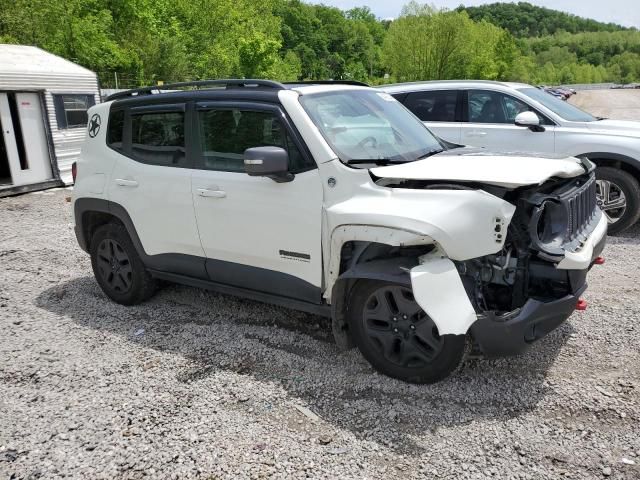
{"x":255,"y":89}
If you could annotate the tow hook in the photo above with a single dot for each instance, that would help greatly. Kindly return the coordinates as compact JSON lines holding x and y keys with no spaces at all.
{"x":599,"y":261}
{"x":581,"y":305}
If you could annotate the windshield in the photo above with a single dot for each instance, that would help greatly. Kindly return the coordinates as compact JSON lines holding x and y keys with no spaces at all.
{"x":364,"y":125}
{"x":559,"y":107}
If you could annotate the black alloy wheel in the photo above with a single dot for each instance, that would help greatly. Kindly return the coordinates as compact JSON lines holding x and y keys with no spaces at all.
{"x":114,"y":265}
{"x":396,"y":335}
{"x":400,"y":330}
{"x":118,"y":268}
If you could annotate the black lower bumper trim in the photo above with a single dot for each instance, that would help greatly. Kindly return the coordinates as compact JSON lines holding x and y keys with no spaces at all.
{"x":534,"y":320}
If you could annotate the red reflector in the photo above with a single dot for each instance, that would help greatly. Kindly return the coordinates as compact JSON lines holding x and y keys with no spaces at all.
{"x":74,"y":171}
{"x":599,"y":260}
{"x":581,"y":305}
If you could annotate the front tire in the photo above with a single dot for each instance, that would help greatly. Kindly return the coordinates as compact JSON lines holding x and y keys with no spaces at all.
{"x":117,"y":266}
{"x":397,"y":337}
{"x":618,"y":195}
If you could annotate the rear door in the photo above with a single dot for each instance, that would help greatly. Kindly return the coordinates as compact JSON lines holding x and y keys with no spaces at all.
{"x":490,"y":122}
{"x":256,"y":233}
{"x":151,"y":179}
{"x":440,"y":110}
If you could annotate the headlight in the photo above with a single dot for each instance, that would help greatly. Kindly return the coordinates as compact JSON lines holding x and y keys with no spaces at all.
{"x":550,"y":222}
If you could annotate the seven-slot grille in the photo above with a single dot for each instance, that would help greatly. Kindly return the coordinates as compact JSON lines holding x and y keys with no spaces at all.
{"x":582,"y":206}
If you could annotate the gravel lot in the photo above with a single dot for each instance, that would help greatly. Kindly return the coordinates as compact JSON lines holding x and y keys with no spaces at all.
{"x":617,"y":104}
{"x":199,"y":385}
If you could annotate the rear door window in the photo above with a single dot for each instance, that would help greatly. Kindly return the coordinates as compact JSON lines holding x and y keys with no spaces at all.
{"x":434,"y":105}
{"x":157,"y":138}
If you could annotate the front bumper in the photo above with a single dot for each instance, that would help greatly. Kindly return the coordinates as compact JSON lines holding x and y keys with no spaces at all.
{"x":591,"y":248}
{"x":512,"y":334}
{"x":532,"y":322}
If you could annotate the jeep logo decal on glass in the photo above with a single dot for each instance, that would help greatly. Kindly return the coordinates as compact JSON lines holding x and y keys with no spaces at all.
{"x":94,"y":125}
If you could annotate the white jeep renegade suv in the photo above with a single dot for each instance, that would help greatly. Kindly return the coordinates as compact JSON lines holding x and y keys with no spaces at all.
{"x":335,"y":199}
{"x":516,"y":117}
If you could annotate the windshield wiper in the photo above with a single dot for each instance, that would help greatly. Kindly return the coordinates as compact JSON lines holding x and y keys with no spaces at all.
{"x":376,"y":161}
{"x":387,"y":161}
{"x":429,"y":153}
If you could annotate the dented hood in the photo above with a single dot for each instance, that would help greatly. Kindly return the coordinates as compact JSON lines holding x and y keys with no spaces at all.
{"x":510,"y":170}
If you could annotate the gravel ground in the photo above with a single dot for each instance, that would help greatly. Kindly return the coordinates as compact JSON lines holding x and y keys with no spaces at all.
{"x":194,"y":384}
{"x":616,"y":104}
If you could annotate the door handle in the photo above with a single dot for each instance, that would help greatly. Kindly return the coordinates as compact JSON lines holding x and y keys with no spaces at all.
{"x":126,"y":183}
{"x":476,"y":134}
{"x":205,"y":192}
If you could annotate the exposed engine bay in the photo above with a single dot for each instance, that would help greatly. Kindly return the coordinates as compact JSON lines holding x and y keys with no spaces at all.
{"x":550,"y":219}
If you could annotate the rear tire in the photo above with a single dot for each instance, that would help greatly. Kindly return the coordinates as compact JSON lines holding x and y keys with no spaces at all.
{"x":117,"y":266}
{"x":397,"y":337}
{"x":617,"y":187}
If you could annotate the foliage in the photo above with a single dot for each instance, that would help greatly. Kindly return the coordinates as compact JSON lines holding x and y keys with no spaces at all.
{"x":146,"y":41}
{"x":525,"y":20}
{"x":439,"y":44}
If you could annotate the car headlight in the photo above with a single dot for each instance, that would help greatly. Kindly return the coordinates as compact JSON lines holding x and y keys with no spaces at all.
{"x":550,"y":222}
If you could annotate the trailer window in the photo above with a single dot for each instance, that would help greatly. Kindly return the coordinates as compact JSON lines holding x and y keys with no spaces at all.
{"x":71,"y":110}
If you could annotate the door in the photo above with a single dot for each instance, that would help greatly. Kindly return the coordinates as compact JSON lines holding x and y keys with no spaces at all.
{"x":256,"y":233}
{"x":151,"y":180}
{"x":25,"y":139}
{"x":439,"y":110}
{"x":490,"y":123}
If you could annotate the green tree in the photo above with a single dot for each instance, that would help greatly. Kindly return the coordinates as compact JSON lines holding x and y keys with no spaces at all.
{"x":426,"y":43}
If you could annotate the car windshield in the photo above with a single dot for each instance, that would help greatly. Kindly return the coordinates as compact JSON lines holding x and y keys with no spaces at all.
{"x":367,"y":126}
{"x":559,"y":107}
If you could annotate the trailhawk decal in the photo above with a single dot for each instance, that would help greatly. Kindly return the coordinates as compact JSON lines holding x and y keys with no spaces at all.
{"x":297,"y":256}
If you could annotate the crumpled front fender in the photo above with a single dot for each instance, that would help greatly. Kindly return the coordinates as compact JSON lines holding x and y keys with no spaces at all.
{"x":438,"y":289}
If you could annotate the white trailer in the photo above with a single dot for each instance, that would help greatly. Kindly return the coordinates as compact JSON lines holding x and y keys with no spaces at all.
{"x":43,"y":115}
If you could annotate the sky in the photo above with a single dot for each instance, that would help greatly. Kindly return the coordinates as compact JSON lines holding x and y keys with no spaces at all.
{"x":623,"y":12}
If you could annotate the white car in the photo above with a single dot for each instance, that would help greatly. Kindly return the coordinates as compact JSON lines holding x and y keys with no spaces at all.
{"x":515,"y":117}
{"x":335,"y":199}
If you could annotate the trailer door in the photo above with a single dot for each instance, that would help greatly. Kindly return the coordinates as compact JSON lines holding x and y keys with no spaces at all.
{"x":25,"y":138}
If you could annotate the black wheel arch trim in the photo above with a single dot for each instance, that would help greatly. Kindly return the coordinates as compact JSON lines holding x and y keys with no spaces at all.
{"x":393,"y":269}
{"x":171,"y":262}
{"x":615,"y":157}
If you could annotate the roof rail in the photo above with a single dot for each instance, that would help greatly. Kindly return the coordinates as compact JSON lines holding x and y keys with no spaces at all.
{"x":230,"y":82}
{"x":328,"y":82}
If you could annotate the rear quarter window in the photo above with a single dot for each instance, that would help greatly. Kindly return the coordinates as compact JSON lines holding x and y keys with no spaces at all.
{"x":115,"y":130}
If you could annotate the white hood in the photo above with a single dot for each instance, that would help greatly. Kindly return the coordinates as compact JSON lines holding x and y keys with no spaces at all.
{"x":624,"y":128}
{"x":508,"y":170}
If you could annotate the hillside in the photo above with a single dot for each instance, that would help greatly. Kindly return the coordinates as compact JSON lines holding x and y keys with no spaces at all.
{"x":139,"y":42}
{"x":525,"y":20}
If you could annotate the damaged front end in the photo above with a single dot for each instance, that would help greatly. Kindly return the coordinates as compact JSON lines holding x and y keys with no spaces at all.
{"x":523,"y":292}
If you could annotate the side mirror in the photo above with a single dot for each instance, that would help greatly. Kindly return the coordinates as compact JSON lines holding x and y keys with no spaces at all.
{"x":530,"y":120}
{"x":272,"y":162}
